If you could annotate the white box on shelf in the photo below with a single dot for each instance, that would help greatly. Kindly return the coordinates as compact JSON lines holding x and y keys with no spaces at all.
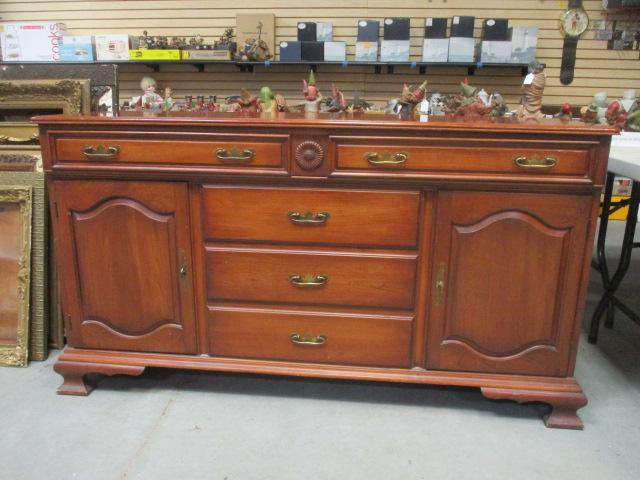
{"x":462,"y":49}
{"x":435,"y":50}
{"x":75,"y":48}
{"x":366,"y":51}
{"x":324,"y":31}
{"x":394,"y":51}
{"x":524,"y":43}
{"x":495,"y":51}
{"x":112,"y":47}
{"x":335,"y":51}
{"x":31,"y":42}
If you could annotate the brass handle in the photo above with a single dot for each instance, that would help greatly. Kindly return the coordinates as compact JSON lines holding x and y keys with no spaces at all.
{"x":386,"y":158}
{"x":235,"y":155}
{"x":101,"y":152}
{"x":308,"y":280}
{"x":309,"y":218}
{"x":535,"y":162}
{"x":33,"y":139}
{"x":440,"y":284}
{"x":314,"y":340}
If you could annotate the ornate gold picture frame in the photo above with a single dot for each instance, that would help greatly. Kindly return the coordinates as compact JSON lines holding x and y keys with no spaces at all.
{"x":15,"y":276}
{"x":73,"y":97}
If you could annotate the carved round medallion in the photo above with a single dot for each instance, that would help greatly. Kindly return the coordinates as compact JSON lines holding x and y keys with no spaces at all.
{"x":309,"y":155}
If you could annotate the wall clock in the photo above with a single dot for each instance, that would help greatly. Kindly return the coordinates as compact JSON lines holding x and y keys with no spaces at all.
{"x":573,"y":23}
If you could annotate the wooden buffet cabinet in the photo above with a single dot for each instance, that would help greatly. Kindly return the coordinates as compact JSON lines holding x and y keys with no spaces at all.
{"x":445,"y":252}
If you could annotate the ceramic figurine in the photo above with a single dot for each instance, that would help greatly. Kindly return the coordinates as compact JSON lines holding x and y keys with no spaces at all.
{"x":337,"y":102}
{"x":246,"y":102}
{"x":409,"y":98}
{"x":256,"y":49}
{"x":532,"y":91}
{"x":424,"y":107}
{"x":269,"y":102}
{"x":436,"y":104}
{"x":358,"y":105}
{"x":615,"y":114}
{"x":149,"y":99}
{"x":312,"y":95}
{"x":629,"y":100}
{"x":633,"y":121}
{"x":500,"y":107}
{"x":226,"y":42}
{"x":167,"y":103}
{"x":565,"y":112}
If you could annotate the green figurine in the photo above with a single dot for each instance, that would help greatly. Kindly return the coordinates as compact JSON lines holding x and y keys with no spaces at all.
{"x":268,"y":102}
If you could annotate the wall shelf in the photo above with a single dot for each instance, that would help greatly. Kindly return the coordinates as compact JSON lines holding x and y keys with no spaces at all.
{"x":378,"y":67}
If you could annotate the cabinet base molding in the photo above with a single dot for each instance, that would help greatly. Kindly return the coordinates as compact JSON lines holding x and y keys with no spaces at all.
{"x":564,"y":405}
{"x":73,"y":373}
{"x":564,"y":395}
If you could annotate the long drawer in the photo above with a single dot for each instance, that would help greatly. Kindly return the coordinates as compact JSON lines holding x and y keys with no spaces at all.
{"x":473,"y":157}
{"x":223,"y":151}
{"x":321,"y":216}
{"x":310,"y":277}
{"x":374,"y":340}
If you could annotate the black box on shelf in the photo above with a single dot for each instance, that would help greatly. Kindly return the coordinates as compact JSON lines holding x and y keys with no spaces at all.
{"x":368,"y":30}
{"x":462,"y":26}
{"x":435,"y":28}
{"x":312,"y":51}
{"x":307,"y":32}
{"x":290,"y":51}
{"x":397,"y":28}
{"x":495,"y":29}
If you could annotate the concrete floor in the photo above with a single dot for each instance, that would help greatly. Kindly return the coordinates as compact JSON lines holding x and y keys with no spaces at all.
{"x":190,"y":425}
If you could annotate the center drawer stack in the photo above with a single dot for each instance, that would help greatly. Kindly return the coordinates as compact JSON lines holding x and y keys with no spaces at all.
{"x":311,"y":275}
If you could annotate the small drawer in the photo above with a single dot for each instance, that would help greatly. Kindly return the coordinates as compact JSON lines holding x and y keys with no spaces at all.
{"x":310,"y":277}
{"x":337,"y":217}
{"x":479,"y":157}
{"x":221,"y":151}
{"x":302,"y":336}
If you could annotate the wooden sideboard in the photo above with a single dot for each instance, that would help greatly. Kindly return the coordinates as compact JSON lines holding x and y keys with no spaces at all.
{"x":446,"y":252}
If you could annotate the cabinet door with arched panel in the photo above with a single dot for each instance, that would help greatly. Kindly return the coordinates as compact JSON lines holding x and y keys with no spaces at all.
{"x":506,"y":276}
{"x":123,"y":250}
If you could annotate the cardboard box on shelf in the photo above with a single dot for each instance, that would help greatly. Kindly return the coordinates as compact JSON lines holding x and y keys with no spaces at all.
{"x":290,"y":51}
{"x":31,"y":42}
{"x":366,"y":51}
{"x":335,"y":51}
{"x":394,"y":51}
{"x":153,"y":54}
{"x":324,"y":31}
{"x":205,"y":55}
{"x":247,"y":28}
{"x":462,"y":49}
{"x":112,"y":47}
{"x":435,"y":50}
{"x":495,"y":51}
{"x":524,"y":42}
{"x":75,"y":48}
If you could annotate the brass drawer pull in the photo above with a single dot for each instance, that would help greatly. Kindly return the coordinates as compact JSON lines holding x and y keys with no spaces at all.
{"x":308,"y":280}
{"x":235,"y":155}
{"x":386,"y":158}
{"x":101,"y":152}
{"x":309,"y":218}
{"x":6,"y":140}
{"x":535,"y":162}
{"x":314,"y":340}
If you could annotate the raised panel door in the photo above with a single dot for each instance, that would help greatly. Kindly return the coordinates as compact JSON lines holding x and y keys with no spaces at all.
{"x":125,"y":261}
{"x":506,"y":275}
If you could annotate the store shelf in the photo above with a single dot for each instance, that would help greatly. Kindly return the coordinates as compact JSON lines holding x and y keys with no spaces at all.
{"x":378,"y":67}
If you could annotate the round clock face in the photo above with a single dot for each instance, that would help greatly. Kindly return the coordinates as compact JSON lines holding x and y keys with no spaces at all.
{"x":574,"y":22}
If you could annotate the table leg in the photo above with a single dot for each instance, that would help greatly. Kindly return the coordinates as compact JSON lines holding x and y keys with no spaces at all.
{"x":601,"y":262}
{"x":625,"y":259}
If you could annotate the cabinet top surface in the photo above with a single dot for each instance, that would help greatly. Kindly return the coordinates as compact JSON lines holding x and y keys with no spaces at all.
{"x":329,"y":120}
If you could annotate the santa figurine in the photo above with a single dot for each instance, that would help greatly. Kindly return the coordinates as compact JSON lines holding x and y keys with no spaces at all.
{"x":312,"y":95}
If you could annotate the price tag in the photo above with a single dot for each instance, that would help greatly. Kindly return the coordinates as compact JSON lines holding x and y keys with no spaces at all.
{"x":528,"y":80}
